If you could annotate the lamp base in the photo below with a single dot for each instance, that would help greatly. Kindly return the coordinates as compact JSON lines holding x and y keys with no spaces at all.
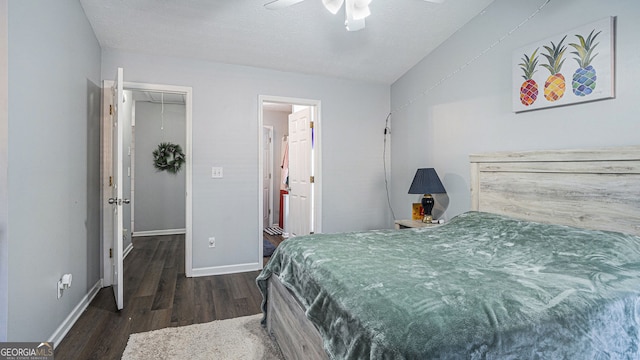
{"x":427,"y":205}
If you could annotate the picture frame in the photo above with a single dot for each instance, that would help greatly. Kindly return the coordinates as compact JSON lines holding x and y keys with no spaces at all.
{"x":417,"y":212}
{"x":569,"y":68}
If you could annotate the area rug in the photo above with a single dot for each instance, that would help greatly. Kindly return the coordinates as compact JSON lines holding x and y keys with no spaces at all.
{"x":274,"y":230}
{"x":267,"y":248}
{"x":238,"y":338}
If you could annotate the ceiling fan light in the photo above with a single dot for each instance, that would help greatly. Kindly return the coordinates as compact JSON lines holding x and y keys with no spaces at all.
{"x":332,"y":5}
{"x":361,"y":13}
{"x":361,"y":3}
{"x":353,"y":23}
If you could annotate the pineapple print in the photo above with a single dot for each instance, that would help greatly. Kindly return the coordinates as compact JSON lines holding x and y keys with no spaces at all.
{"x":584,"y":79}
{"x":555,"y":85}
{"x":529,"y":88}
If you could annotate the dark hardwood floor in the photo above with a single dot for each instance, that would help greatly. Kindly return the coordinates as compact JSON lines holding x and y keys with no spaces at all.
{"x":157,"y":295}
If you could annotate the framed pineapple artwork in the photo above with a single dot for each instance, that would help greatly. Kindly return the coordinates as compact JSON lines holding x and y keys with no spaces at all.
{"x":569,"y":68}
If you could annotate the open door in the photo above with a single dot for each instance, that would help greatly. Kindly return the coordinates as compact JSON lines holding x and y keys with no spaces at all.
{"x":117,"y":184}
{"x":300,"y":176}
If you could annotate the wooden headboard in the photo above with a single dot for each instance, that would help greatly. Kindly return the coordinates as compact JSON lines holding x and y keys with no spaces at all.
{"x":591,"y":188}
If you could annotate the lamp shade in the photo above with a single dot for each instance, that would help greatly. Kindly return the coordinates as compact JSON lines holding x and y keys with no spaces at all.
{"x":426,"y":181}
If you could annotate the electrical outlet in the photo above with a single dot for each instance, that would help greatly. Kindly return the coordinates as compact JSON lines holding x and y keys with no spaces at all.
{"x":212,"y":242}
{"x":216,"y":172}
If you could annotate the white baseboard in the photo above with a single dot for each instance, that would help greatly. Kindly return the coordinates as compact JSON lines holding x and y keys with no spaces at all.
{"x":127,"y":250}
{"x":66,"y":325}
{"x":160,"y":232}
{"x":229,"y":269}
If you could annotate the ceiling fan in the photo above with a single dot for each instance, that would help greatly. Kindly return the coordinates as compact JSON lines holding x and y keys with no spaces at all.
{"x":355,"y":10}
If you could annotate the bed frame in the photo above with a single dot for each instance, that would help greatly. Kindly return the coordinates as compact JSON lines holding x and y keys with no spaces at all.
{"x":594,"y":188}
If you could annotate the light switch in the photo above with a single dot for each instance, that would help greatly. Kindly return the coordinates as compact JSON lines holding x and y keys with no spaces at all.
{"x":216,"y":172}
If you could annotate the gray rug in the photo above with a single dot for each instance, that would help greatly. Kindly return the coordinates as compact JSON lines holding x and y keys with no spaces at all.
{"x":239,"y":338}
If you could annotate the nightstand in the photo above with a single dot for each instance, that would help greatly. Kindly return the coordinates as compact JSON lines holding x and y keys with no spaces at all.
{"x":405,"y":224}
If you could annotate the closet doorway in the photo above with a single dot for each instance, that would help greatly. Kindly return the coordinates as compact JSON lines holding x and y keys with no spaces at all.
{"x":294,"y":199}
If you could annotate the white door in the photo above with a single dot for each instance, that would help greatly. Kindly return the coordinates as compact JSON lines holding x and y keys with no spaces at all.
{"x":300,"y":203}
{"x":116,"y":196}
{"x":267,"y":176}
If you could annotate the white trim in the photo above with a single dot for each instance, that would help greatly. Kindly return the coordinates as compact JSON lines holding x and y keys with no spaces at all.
{"x":188,"y":92}
{"x":160,"y":232}
{"x":66,"y":325}
{"x":272,"y":174}
{"x":127,"y":250}
{"x":228,"y":269}
{"x":132,"y":165}
{"x":317,"y":171}
{"x":188,"y":244}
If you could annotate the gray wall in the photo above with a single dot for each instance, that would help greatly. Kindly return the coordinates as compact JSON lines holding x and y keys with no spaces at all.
{"x":280,"y":122}
{"x":159,"y":195}
{"x":4,"y":159}
{"x":470,"y":112}
{"x":54,"y":187}
{"x":225,"y":133}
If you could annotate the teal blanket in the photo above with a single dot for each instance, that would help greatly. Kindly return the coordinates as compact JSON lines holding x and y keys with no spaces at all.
{"x":482,"y":286}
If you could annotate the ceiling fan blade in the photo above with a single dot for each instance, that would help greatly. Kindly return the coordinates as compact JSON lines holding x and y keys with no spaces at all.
{"x":333,"y":5}
{"x":279,"y":4}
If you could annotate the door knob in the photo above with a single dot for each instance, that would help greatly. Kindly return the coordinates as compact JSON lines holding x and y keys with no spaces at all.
{"x":112,"y":201}
{"x":126,"y":201}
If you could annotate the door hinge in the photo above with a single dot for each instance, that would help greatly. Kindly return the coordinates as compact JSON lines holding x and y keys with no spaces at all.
{"x":312,"y":179}
{"x":110,"y":109}
{"x":110,"y":253}
{"x":311,"y":124}
{"x":110,"y":180}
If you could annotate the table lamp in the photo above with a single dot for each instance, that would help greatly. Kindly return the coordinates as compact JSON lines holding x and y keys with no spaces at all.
{"x":427,"y":182}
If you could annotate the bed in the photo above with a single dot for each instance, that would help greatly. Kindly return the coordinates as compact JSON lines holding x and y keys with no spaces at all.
{"x":547,"y":265}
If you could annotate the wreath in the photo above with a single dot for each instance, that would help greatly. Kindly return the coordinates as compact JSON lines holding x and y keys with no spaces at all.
{"x":168,"y":157}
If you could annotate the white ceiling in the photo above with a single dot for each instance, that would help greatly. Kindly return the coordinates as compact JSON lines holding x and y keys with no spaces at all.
{"x":304,"y":38}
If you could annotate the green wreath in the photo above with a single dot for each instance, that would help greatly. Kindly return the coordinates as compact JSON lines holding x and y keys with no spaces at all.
{"x":168,"y":157}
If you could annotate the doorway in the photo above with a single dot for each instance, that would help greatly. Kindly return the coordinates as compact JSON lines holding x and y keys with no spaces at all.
{"x":300,"y":179}
{"x":157,"y":197}
{"x":136,"y":91}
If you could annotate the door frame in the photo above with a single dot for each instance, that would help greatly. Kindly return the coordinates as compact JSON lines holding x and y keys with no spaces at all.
{"x":271,"y":175}
{"x":317,"y":157}
{"x":105,"y":130}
